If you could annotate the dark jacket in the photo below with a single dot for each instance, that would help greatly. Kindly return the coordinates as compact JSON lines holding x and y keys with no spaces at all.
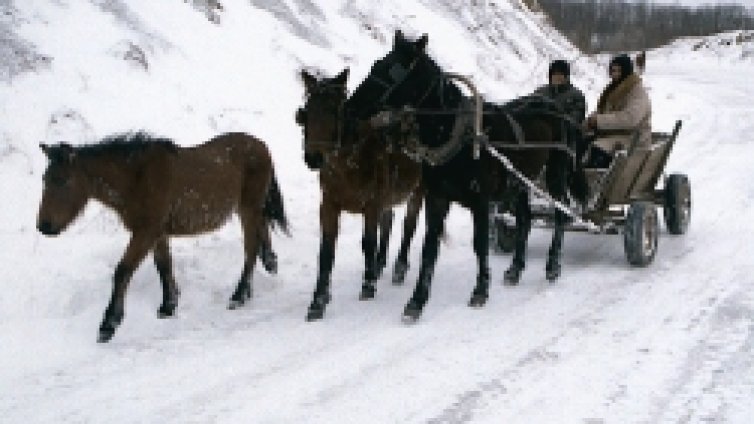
{"x":569,"y":98}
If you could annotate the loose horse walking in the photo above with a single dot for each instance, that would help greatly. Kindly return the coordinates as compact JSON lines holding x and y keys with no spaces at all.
{"x":161,"y":190}
{"x":360,"y":171}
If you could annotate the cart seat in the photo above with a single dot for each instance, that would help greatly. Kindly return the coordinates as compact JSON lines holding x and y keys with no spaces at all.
{"x":633,"y":174}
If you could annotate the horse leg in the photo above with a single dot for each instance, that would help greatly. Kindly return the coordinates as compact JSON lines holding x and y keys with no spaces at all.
{"x":252,"y":223}
{"x":170,"y":291}
{"x":523,"y":227}
{"x":137,"y":249}
{"x":386,"y":226}
{"x":436,"y":210}
{"x":552,"y":269}
{"x":558,"y":172}
{"x":329,"y":216}
{"x":409,"y":228}
{"x":266,"y":254}
{"x":481,"y":249}
{"x":369,"y":247}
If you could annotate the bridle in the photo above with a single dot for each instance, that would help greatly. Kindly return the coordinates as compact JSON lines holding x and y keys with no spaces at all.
{"x":335,"y":140}
{"x":398,"y":74}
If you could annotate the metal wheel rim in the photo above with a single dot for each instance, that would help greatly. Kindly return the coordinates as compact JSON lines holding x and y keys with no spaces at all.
{"x":649,"y":234}
{"x":685,"y":208}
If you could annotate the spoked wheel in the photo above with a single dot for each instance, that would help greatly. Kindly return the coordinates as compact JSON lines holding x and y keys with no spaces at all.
{"x":640,"y":233}
{"x":677,"y":207}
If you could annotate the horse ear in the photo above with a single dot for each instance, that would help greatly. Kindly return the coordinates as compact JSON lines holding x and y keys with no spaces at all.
{"x":399,"y":37}
{"x":67,"y":152}
{"x":421,"y":44}
{"x":309,"y":81}
{"x":62,"y":152}
{"x":342,"y":77}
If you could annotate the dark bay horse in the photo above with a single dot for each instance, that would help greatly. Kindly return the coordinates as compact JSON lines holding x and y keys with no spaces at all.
{"x":407,"y":76}
{"x":160,"y":190}
{"x":359,"y":172}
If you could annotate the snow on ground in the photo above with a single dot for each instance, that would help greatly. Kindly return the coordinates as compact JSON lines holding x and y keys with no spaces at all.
{"x":608,"y":343}
{"x":730,"y":47}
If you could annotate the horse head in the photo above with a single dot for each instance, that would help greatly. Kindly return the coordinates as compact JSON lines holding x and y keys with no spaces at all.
{"x":401,"y":78}
{"x":322,"y":116}
{"x":65,"y":189}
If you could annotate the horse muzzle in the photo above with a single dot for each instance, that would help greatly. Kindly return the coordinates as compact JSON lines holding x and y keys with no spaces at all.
{"x":46,"y":228}
{"x":314,"y":160}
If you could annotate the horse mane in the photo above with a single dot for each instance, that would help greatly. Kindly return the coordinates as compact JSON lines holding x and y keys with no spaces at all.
{"x":126,"y":144}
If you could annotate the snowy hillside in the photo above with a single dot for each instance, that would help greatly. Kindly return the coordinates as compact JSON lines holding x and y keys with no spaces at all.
{"x":607,"y":343}
{"x":730,"y":47}
{"x":79,"y":70}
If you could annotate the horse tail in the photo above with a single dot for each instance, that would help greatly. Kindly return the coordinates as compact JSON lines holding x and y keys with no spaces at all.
{"x":273,"y":206}
{"x":578,"y":184}
{"x":577,"y":181}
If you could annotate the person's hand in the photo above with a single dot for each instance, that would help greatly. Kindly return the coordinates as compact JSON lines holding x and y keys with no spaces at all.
{"x":591,"y":122}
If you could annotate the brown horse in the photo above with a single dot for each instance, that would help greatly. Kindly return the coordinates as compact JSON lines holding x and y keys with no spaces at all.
{"x":161,"y":190}
{"x":360,"y":172}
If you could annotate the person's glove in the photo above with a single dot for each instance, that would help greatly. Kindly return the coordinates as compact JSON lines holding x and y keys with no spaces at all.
{"x":591,"y":123}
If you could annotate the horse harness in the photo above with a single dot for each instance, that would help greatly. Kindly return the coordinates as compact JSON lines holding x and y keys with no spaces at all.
{"x":461,"y":133}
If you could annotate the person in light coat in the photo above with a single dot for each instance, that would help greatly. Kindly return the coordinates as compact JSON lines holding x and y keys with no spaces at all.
{"x":623,"y":112}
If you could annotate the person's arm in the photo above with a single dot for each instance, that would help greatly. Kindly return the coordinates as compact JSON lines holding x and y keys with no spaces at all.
{"x":577,"y":107}
{"x":541,"y":91}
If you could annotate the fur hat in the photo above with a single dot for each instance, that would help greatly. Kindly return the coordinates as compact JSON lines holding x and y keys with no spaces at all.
{"x":625,"y":63}
{"x":559,"y":67}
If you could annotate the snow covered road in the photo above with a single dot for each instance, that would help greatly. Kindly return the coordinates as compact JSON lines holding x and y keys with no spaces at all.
{"x":673,"y":342}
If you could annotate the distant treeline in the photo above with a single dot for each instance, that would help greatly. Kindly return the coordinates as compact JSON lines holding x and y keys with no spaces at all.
{"x":619,"y":25}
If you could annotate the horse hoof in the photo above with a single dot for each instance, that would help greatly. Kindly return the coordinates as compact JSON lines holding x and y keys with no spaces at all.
{"x":367,"y":291}
{"x":512,"y":276}
{"x":270,"y":263}
{"x":317,"y":308}
{"x":477,"y":300}
{"x":105,"y":334}
{"x":552,"y":271}
{"x":236,"y":303}
{"x":399,"y":273}
{"x":315,"y":314}
{"x":552,"y":274}
{"x":412,"y":313}
{"x":166,"y":312}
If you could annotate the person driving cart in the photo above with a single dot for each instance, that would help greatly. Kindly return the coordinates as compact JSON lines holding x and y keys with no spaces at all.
{"x":559,"y":88}
{"x":623,"y":114}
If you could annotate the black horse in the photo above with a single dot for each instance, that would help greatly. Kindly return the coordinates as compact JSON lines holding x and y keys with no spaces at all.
{"x":408,"y":77}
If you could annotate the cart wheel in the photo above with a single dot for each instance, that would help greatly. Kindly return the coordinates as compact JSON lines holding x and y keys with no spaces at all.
{"x":505,"y":236}
{"x":677,"y":207}
{"x":640,"y":233}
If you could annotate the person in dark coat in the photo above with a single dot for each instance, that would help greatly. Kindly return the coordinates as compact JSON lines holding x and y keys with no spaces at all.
{"x":559,"y":88}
